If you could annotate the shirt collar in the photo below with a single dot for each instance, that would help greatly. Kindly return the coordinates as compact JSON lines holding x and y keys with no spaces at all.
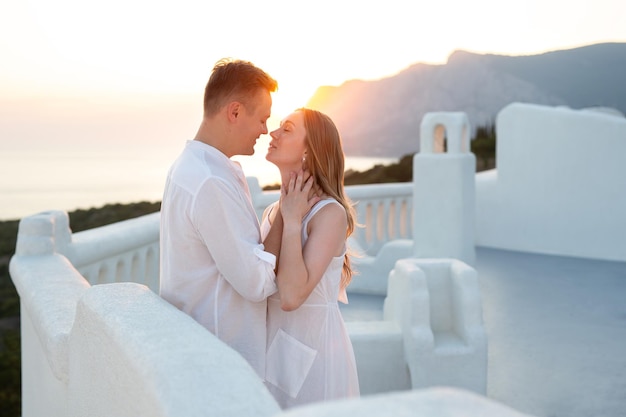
{"x":234,"y":166}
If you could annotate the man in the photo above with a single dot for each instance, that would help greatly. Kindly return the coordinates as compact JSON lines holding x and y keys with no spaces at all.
{"x":213,"y":264}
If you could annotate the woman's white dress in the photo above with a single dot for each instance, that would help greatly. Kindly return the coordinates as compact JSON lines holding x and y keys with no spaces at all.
{"x":309,"y":353}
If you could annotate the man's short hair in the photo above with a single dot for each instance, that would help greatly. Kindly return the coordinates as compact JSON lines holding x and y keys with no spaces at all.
{"x":234,"y":79}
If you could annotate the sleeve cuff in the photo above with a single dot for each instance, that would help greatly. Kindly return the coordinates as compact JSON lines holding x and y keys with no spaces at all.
{"x":270,"y":258}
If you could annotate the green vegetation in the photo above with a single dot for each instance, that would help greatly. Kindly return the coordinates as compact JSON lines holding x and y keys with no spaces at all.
{"x":399,"y":172}
{"x":111,"y":213}
{"x":483,"y":146}
{"x":8,"y":235}
{"x":10,"y":380}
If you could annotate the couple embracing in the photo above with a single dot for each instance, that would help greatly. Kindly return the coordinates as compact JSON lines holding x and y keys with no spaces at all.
{"x":268,"y":290}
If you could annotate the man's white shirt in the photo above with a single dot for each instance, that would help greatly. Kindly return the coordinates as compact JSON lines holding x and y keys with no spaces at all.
{"x":213,"y":266}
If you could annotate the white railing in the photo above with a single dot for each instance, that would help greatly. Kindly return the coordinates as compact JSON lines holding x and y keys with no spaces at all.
{"x":128,"y":251}
{"x":384,"y":211}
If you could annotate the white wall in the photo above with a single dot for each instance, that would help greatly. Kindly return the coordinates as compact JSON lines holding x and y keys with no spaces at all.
{"x":560,"y":184}
{"x":443,"y":189}
{"x":133,"y":354}
{"x":432,"y":402}
{"x":116,"y":349}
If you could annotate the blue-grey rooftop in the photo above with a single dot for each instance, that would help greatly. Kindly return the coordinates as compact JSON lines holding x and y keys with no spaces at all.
{"x":556,"y":329}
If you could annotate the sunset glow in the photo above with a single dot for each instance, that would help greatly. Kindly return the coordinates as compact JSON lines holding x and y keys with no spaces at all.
{"x":76,"y":47}
{"x":98,"y":98}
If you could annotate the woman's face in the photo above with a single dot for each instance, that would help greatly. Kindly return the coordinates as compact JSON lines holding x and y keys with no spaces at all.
{"x":287,"y":147}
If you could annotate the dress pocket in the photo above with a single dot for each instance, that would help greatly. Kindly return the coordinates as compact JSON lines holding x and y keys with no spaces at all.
{"x":288,"y":363}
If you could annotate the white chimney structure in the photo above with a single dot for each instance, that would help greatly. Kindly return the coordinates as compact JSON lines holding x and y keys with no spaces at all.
{"x":444,"y":173}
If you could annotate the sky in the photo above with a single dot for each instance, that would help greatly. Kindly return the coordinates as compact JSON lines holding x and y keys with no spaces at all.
{"x":97,"y":98}
{"x":147,"y":48}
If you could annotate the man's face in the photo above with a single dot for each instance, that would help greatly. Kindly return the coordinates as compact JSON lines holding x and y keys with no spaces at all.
{"x":253,"y":122}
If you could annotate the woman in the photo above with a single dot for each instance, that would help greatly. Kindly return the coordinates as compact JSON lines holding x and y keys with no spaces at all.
{"x":309,"y":354}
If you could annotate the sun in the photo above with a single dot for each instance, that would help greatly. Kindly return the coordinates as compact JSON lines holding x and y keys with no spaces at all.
{"x":289,"y":97}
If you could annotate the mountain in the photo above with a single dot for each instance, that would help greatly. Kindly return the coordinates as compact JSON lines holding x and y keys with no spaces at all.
{"x":382,"y":117}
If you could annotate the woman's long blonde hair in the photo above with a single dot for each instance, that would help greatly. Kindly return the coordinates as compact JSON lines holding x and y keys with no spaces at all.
{"x":325,"y":162}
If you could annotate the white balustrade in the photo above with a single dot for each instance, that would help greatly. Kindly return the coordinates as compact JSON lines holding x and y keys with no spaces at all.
{"x":384,"y":211}
{"x":126,"y":251}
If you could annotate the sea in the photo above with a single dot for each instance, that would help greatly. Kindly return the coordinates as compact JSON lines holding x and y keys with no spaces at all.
{"x":72,"y":176}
